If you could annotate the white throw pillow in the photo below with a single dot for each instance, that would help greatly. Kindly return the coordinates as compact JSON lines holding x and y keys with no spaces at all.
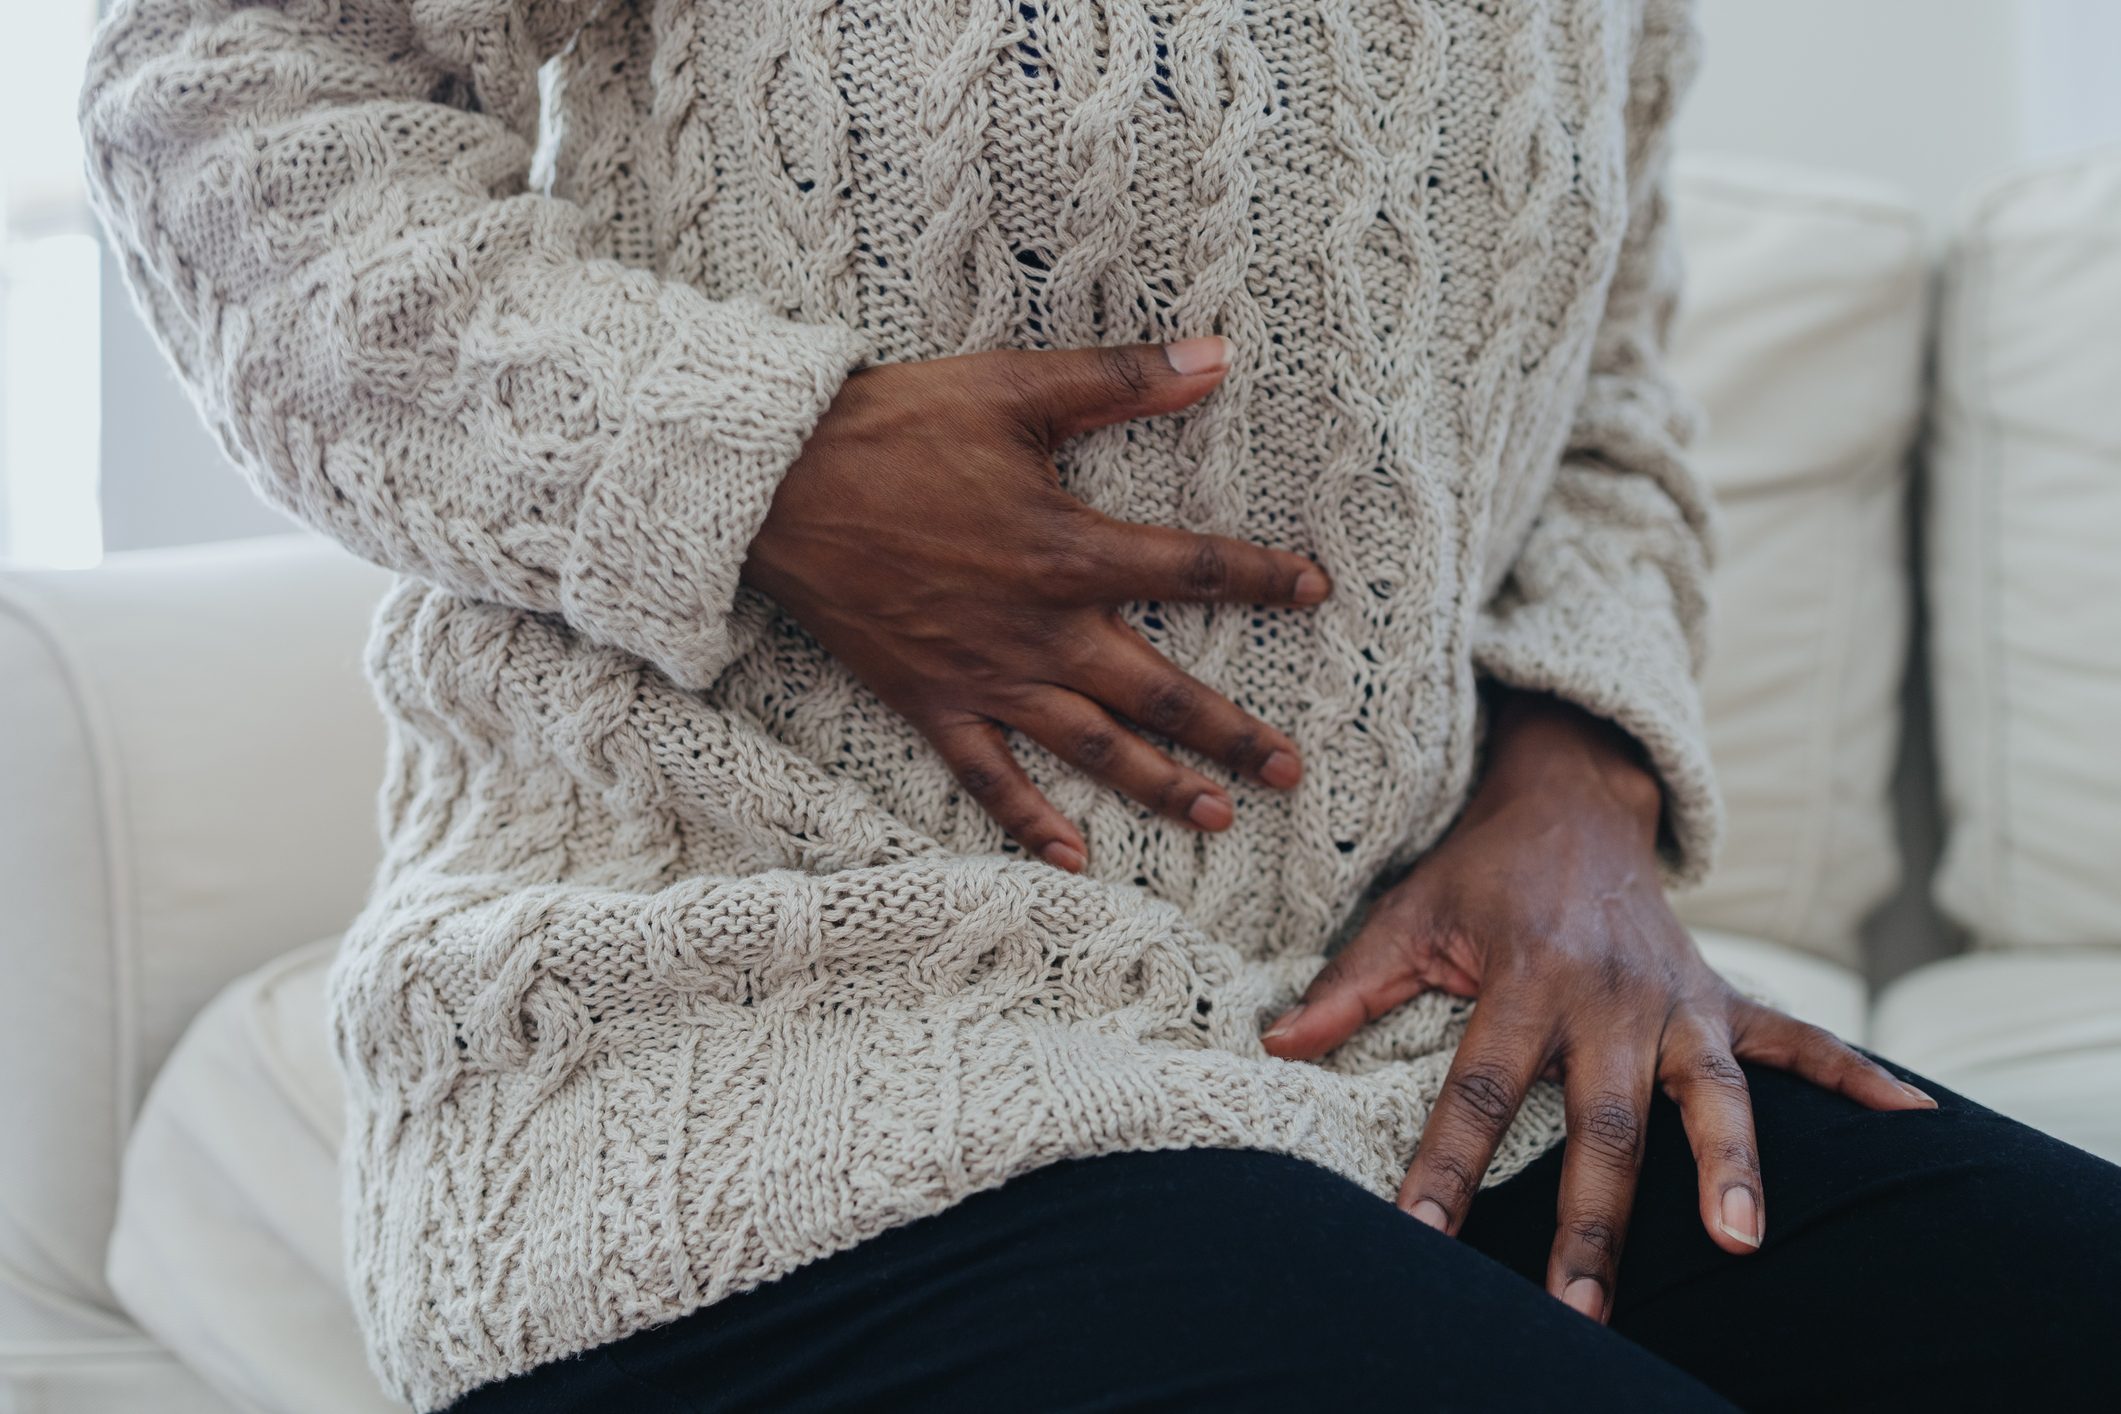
{"x":1802,"y":335}
{"x":2025,"y":567}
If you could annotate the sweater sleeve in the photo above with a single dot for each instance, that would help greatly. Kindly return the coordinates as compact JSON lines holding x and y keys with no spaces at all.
{"x":1606,"y":605}
{"x":324,"y":211}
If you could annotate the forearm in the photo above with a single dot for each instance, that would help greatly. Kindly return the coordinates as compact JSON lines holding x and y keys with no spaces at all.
{"x":332,"y":229}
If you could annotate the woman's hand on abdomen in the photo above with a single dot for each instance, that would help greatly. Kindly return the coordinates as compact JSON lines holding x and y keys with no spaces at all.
{"x":923,"y":538}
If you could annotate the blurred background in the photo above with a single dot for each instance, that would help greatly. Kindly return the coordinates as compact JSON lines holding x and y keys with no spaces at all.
{"x":99,"y":450}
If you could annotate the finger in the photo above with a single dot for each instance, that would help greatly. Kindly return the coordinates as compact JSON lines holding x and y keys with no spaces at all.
{"x":1158,"y":562}
{"x":1703,"y":1078}
{"x":1066,"y":392}
{"x":1768,"y":1036}
{"x":978,"y":755}
{"x":1135,"y":680}
{"x":1607,"y":1092}
{"x":1084,"y":735}
{"x":1358,"y":984}
{"x":1485,"y":1088}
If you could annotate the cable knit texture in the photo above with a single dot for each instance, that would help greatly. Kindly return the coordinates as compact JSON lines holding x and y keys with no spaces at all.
{"x":687,"y":963}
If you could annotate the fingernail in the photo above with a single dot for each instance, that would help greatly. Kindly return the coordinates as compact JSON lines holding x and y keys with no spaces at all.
{"x":1311,"y":587}
{"x":1917,"y":1094}
{"x":1741,"y":1217}
{"x":1063,"y":856}
{"x":1283,"y":1023}
{"x":1431,"y":1212}
{"x":1211,"y":812}
{"x":1207,"y":354}
{"x":1586,"y":1295}
{"x":1281,"y":770}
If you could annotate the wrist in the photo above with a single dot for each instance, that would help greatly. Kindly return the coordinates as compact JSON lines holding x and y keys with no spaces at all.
{"x":1541,"y":743}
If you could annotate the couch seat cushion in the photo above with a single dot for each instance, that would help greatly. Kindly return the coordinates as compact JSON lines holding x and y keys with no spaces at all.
{"x":2034,"y":1034}
{"x":227,"y":1244}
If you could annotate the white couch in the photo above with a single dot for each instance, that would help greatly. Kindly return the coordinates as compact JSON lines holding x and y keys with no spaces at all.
{"x":189,"y":757}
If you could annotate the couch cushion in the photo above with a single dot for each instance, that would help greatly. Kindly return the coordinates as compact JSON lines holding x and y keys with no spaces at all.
{"x":227,"y":1243}
{"x":2025,"y":573}
{"x":191,"y":760}
{"x":2034,"y":1034}
{"x":1802,"y":335}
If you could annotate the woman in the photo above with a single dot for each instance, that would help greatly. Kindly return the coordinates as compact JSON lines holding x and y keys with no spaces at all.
{"x":798,"y":976}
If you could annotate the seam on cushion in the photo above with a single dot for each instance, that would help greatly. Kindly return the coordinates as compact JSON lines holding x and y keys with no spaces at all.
{"x":1831,"y":683}
{"x":1989,"y":496}
{"x":54,"y":1299}
{"x":117,"y":858}
{"x":1970,"y":817}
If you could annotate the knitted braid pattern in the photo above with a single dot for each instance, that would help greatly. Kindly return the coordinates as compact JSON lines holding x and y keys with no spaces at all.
{"x":687,"y":963}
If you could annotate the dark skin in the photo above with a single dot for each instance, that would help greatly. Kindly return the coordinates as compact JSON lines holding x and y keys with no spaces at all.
{"x":1545,"y":902}
{"x":924,"y":538}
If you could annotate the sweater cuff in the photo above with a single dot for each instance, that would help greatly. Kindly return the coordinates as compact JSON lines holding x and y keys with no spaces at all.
{"x":1628,"y":663}
{"x":715,"y":419}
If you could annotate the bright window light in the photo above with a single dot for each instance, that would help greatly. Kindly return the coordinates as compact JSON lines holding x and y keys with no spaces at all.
{"x":50,"y":342}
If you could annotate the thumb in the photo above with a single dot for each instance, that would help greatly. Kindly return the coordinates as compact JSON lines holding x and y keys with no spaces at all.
{"x":1358,"y":984}
{"x":1067,"y":392}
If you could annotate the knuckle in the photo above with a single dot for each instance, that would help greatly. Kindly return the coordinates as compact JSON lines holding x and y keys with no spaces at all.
{"x":1337,"y":973}
{"x":1454,"y":1177}
{"x":1615,"y":975}
{"x":982,"y":783}
{"x":1737,"y":1154}
{"x":1719,"y":1069}
{"x":1169,"y":705}
{"x":1244,"y":750}
{"x":1066,"y":558}
{"x":1070,"y":645}
{"x":1610,"y":1128}
{"x":1022,"y":824}
{"x":1093,"y":747}
{"x":1120,"y":373}
{"x":1485,"y":1090}
{"x":1597,"y":1235}
{"x":1826,"y":1049}
{"x":1021,"y":393}
{"x":1207,"y":569}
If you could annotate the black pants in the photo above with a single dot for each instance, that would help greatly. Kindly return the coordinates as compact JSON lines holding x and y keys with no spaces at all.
{"x":1939,"y":1260}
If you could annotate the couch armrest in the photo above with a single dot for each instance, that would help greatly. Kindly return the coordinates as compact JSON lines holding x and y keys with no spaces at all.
{"x":191,"y":758}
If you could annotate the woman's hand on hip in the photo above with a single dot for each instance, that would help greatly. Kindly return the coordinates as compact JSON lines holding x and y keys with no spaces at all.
{"x":1544,"y":901}
{"x":924,"y":540}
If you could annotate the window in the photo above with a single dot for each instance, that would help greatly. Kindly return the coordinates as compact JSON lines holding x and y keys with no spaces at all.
{"x":50,"y":309}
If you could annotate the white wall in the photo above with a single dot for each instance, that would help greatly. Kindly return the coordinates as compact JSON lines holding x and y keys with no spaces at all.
{"x":2072,"y":74}
{"x":1936,"y":97}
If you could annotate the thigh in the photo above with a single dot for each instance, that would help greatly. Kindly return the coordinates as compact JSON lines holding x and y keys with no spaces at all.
{"x":1930,"y":1260}
{"x":1191,"y":1279}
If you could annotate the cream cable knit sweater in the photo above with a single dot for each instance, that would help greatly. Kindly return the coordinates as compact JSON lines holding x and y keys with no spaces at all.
{"x":687,"y":964}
